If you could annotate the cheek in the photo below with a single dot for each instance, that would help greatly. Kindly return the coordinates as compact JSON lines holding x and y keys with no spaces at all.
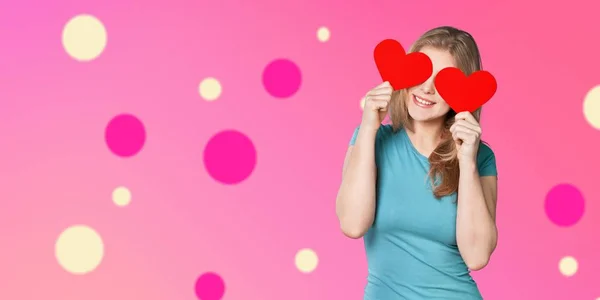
{"x":443,"y":106}
{"x":408,"y":100}
{"x":443,"y":103}
{"x":440,"y":100}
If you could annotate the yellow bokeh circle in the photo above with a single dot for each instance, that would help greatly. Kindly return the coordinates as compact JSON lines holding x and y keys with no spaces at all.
{"x":591,"y":107}
{"x":121,"y":196}
{"x":79,"y":249}
{"x":323,"y":34}
{"x":568,"y":266}
{"x":210,"y":89}
{"x":306,"y":260}
{"x":84,"y":37}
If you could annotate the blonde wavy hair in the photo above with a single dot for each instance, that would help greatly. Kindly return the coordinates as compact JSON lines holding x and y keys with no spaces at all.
{"x":444,"y":171}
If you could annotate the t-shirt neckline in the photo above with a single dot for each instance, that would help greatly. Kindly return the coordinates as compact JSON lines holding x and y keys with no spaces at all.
{"x":412,"y":147}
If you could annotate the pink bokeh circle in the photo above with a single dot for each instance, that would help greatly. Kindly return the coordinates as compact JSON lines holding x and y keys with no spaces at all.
{"x":230,"y":157}
{"x":210,"y":286}
{"x":564,"y":205}
{"x":125,"y":135}
{"x":282,"y":78}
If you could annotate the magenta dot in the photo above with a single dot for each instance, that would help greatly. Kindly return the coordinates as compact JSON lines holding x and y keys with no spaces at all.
{"x":282,"y":78}
{"x":229,"y":157}
{"x":125,"y":135}
{"x":564,"y":205}
{"x":210,"y":286}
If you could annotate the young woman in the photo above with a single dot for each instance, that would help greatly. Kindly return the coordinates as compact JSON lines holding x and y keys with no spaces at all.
{"x":421,"y":190}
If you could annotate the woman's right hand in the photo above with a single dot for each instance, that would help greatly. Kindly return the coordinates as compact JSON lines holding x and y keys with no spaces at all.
{"x":376,"y":105}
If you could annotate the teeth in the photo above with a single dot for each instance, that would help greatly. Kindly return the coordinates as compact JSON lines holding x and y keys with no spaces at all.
{"x":423,"y":101}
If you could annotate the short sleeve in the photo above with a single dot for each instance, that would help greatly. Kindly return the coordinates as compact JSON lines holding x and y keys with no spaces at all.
{"x":486,"y":161}
{"x":354,"y":135}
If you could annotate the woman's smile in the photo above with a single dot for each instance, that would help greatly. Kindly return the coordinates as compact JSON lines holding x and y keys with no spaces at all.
{"x":422,"y":102}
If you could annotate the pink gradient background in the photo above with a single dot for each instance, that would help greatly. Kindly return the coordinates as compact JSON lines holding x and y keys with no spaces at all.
{"x":56,"y":169}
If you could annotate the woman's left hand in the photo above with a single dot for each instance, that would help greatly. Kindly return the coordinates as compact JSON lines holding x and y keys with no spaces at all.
{"x":466,"y":133}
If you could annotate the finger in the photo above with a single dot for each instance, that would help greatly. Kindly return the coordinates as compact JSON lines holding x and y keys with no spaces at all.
{"x":369,"y":99}
{"x":467,"y":116}
{"x":467,"y":124}
{"x":378,"y":104}
{"x":465,"y":129}
{"x":381,"y":91}
{"x":464,"y":136}
{"x":379,"y":97}
{"x":383,"y":84}
{"x":457,"y":139}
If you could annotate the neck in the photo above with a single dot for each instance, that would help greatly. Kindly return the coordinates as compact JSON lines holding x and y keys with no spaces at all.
{"x":426,"y":136}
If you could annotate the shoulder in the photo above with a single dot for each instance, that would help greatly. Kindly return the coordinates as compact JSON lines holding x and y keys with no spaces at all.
{"x":485,"y":151}
{"x":384,"y":131}
{"x":486,"y":160}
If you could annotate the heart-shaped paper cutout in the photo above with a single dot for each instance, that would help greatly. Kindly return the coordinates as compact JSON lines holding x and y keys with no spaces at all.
{"x":400,"y":69}
{"x":464,"y":93}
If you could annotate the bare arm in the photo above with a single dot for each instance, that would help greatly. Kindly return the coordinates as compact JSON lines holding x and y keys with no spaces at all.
{"x":355,"y":202}
{"x":476,"y":231}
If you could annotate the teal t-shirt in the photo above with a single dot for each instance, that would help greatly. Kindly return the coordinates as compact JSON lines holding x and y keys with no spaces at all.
{"x":411,"y":248}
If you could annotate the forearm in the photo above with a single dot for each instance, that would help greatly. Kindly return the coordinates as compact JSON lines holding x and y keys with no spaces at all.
{"x":355,"y":203}
{"x":476,"y":231}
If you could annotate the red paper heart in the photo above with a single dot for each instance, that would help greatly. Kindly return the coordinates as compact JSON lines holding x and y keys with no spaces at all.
{"x":400,"y":69}
{"x":464,"y":93}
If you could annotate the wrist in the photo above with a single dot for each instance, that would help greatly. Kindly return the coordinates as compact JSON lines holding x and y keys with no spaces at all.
{"x":469,"y":165}
{"x":368,"y":128}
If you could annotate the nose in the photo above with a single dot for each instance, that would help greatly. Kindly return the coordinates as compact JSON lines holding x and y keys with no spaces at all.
{"x":428,"y":87}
